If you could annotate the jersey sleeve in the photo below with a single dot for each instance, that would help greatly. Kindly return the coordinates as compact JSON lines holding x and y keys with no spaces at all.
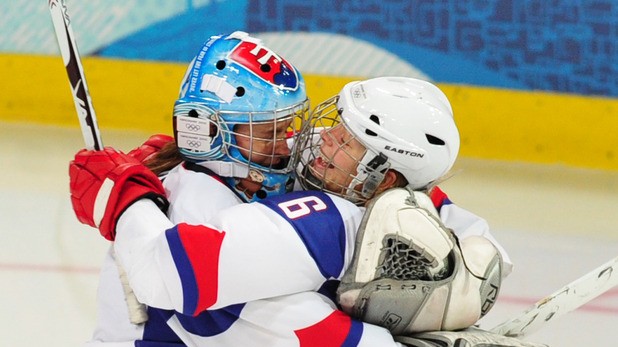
{"x":138,"y":230}
{"x":314,"y":321}
{"x":465,"y":223}
{"x":248,"y":252}
{"x":302,"y":319}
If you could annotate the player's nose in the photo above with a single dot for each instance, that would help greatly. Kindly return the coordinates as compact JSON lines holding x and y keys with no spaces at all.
{"x":326,"y":136}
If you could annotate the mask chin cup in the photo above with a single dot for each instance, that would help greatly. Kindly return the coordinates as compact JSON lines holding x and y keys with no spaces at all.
{"x":271,"y":184}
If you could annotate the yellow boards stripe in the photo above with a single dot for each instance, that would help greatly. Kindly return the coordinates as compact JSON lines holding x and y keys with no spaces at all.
{"x":494,"y":123}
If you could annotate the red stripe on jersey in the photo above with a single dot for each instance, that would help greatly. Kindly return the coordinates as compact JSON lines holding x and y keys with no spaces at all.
{"x":438,"y":197}
{"x":332,"y":331}
{"x":202,"y":246}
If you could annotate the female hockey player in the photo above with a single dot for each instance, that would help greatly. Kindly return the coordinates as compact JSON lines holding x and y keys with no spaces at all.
{"x":236,"y":110}
{"x":252,"y":275}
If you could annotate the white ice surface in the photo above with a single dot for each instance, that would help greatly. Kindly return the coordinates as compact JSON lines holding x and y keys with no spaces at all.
{"x":556,"y":222}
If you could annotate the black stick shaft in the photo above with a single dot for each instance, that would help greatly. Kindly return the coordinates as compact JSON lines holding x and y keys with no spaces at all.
{"x":75,"y":72}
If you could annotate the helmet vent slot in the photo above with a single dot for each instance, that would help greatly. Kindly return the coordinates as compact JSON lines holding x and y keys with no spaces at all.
{"x":265,"y":68}
{"x":240,"y":91}
{"x":376,"y":120}
{"x":194,"y":114}
{"x":434,"y":140}
{"x":220,"y":65}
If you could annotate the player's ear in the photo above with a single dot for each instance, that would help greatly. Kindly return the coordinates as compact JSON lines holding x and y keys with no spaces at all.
{"x":389,"y":181}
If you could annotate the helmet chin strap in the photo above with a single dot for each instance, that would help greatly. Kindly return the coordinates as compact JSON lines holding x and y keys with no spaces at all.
{"x":250,"y":184}
{"x":226,"y":168}
{"x":370,"y":174}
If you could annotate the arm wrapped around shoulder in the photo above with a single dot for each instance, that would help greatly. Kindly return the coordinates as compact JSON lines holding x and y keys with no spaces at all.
{"x":409,"y":274}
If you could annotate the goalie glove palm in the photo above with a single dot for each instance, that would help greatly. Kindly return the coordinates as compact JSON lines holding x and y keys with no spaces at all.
{"x":104,"y":183}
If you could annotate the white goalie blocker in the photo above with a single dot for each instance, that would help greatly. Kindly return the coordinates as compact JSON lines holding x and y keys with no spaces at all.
{"x":410,"y":274}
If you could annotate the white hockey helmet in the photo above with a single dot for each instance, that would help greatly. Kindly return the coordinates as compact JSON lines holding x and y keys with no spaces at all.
{"x":405,"y":124}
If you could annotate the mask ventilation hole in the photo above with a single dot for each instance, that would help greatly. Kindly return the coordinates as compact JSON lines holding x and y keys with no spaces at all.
{"x":376,"y":120}
{"x":434,"y":140}
{"x":220,"y":65}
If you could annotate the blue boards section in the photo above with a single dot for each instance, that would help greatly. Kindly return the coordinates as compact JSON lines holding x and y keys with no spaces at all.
{"x":560,"y":45}
{"x":179,"y":38}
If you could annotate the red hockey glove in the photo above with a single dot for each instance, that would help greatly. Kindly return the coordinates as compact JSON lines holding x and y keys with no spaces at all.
{"x":149,"y":148}
{"x":105,"y":183}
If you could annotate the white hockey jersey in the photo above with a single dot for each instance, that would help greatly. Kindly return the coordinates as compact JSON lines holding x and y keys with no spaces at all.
{"x":223,"y":273}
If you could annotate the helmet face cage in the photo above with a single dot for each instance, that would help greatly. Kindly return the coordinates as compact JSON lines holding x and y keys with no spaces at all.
{"x":262,"y":138}
{"x":356,"y":183}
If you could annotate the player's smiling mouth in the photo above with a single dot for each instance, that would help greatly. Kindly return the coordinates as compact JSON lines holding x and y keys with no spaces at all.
{"x":320,"y":164}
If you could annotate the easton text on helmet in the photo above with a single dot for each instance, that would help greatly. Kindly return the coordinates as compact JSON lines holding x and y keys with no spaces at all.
{"x":403,"y":151}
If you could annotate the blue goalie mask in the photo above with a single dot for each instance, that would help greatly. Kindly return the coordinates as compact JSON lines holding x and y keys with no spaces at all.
{"x":239,"y":109}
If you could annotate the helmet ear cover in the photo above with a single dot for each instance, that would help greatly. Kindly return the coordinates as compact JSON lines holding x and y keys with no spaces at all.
{"x":375,"y":170}
{"x":197,"y":129}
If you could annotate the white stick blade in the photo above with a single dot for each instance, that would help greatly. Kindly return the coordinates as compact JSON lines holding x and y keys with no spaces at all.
{"x":565,"y":300}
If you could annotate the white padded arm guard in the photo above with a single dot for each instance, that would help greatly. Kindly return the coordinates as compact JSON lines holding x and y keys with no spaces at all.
{"x":407,"y":273}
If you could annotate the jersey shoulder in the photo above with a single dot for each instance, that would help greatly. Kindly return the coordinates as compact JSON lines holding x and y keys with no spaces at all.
{"x":312,"y":205}
{"x":196,"y":197}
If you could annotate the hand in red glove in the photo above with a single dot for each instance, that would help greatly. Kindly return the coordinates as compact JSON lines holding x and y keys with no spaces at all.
{"x":105,"y":183}
{"x":151,"y":147}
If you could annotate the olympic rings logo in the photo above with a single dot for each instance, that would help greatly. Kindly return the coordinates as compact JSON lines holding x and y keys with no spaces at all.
{"x":194,"y":144}
{"x":192,"y":126}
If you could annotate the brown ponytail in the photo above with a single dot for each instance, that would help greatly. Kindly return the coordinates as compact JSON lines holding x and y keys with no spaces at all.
{"x":166,"y":159}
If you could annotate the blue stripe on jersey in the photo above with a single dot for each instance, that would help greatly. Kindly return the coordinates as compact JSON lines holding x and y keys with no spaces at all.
{"x":156,"y":331}
{"x":158,"y":344}
{"x":354,"y":335}
{"x":329,"y":289}
{"x":185,"y":270}
{"x":319,"y":224}
{"x":212,"y":322}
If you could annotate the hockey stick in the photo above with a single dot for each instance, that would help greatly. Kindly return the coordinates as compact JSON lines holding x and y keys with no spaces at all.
{"x":565,"y":300}
{"x":72,"y":62}
{"x":87,"y":121}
